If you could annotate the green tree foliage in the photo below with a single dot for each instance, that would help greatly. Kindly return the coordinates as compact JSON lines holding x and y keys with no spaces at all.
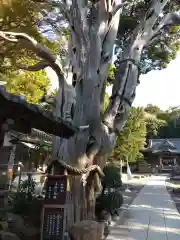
{"x":162,"y":124}
{"x":163,"y":48}
{"x":32,"y":85}
{"x":17,"y":15}
{"x":172,"y":128}
{"x":111,"y":73}
{"x":112,"y":177}
{"x":132,"y":138}
{"x":105,"y":103}
{"x":22,"y":16}
{"x":153,"y":122}
{"x":152,"y":109}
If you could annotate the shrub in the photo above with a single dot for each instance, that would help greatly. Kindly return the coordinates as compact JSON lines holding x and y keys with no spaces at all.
{"x":24,"y":195}
{"x":112,"y":178}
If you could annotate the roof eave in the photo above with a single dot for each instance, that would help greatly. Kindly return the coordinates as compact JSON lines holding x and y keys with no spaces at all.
{"x":27,"y":116}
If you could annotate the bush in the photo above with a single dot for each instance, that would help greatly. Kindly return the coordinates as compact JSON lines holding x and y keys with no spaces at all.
{"x":112,"y":178}
{"x":107,"y":205}
{"x":24,"y":195}
{"x":110,"y":202}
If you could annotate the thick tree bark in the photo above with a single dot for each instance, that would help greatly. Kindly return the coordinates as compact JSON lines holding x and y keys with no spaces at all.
{"x":90,"y":47}
{"x":91,"y":73}
{"x":93,"y":32}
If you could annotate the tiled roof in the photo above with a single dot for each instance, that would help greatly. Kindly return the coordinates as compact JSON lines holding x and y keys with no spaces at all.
{"x":35,"y":133}
{"x":30,"y":116}
{"x":164,"y":145}
{"x":33,"y":138}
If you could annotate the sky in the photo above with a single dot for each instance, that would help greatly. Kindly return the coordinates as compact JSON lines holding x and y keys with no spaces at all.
{"x":161,"y":88}
{"x":53,"y":79}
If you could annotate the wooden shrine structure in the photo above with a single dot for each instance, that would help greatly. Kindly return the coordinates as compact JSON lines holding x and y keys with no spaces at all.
{"x":70,"y":192}
{"x":164,"y":153}
{"x":68,"y":199}
{"x":16,"y":114}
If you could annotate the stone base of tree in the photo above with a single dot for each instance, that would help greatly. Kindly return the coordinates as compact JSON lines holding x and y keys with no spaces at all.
{"x":88,"y":230}
{"x":9,"y":236}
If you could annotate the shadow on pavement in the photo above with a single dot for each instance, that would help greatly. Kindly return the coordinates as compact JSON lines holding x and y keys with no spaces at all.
{"x":152,"y":215}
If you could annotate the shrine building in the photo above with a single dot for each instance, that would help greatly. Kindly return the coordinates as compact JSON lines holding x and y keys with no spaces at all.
{"x":164,"y":153}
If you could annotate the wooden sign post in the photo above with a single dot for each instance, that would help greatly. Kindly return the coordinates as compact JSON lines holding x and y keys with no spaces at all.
{"x":4,"y":180}
{"x":54,"y":209}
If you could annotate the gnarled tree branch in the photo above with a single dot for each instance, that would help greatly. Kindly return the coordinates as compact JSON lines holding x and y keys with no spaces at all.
{"x":168,"y":19}
{"x":39,"y":49}
{"x":42,"y":52}
{"x":34,"y":68}
{"x":126,"y":79}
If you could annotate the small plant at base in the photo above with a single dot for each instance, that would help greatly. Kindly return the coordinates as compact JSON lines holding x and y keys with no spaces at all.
{"x":24,"y":194}
{"x":112,"y":178}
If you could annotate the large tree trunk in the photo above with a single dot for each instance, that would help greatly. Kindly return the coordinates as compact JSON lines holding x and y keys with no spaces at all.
{"x":90,"y":55}
{"x":90,"y":51}
{"x":90,"y":72}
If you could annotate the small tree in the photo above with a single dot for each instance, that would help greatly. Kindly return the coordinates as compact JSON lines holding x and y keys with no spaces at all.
{"x":132,"y":138}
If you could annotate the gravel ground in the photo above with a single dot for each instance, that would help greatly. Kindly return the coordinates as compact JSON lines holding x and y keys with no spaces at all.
{"x":173,"y":188}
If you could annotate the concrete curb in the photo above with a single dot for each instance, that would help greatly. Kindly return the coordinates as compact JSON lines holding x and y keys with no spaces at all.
{"x":142,"y":176}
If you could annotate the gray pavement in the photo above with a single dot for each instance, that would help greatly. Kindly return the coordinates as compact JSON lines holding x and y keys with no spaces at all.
{"x":152,"y":215}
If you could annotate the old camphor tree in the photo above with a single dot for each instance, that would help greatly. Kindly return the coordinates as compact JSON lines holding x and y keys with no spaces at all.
{"x":94,"y":28}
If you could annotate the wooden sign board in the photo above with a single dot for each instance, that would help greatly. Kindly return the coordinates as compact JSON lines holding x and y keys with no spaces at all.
{"x":53,"y":222}
{"x":56,"y":190}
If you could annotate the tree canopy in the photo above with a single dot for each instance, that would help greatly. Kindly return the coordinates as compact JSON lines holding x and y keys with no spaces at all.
{"x":22,"y":16}
{"x":164,"y":45}
{"x":171,"y":120}
{"x":17,"y":15}
{"x":153,"y":123}
{"x":31,"y":85}
{"x":142,"y":124}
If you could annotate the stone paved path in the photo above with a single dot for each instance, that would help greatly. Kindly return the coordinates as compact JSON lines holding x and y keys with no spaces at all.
{"x":152,"y":215}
